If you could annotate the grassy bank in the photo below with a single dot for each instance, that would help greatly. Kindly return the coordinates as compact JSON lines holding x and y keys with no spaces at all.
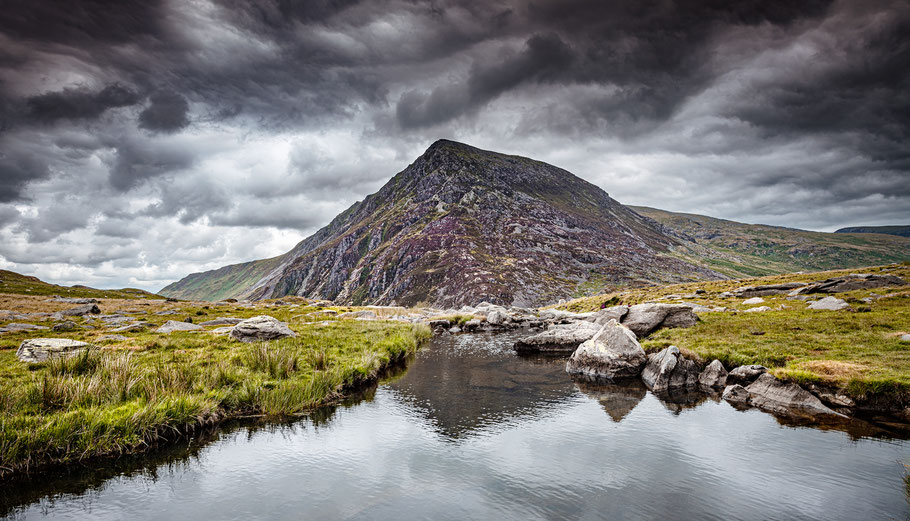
{"x":857,"y":350}
{"x":127,"y":395}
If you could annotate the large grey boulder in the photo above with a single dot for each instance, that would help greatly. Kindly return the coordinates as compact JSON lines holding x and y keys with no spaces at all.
{"x":78,"y":311}
{"x":262,"y":327}
{"x":643,"y":319}
{"x":829,"y":304}
{"x":668,"y":369}
{"x":713,"y":377}
{"x":605,"y":315}
{"x":787,"y":398}
{"x":42,"y":349}
{"x":745,"y":374}
{"x":612,"y":353}
{"x":498,"y":318}
{"x":172,"y":325}
{"x":558,"y":338}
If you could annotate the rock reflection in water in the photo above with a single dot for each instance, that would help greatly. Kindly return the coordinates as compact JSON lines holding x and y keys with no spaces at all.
{"x":462,"y":394}
{"x":618,"y":399}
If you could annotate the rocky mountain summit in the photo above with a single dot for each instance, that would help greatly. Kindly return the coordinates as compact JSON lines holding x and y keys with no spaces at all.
{"x":459,"y":226}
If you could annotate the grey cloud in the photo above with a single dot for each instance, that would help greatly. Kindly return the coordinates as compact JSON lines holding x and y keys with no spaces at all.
{"x":138,"y":161}
{"x":78,"y":103}
{"x":18,"y":168}
{"x":167,"y":112}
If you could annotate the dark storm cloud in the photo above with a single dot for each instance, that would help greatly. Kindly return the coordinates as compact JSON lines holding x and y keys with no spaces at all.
{"x":17,"y":168}
{"x":167,"y":112}
{"x":76,"y":104}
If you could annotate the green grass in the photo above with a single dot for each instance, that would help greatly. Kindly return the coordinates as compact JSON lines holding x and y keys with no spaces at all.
{"x":16,"y":283}
{"x":108,"y":402}
{"x":859,"y":352}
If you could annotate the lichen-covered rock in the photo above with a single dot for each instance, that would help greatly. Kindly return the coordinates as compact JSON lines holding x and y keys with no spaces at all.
{"x":643,"y":319}
{"x":668,"y":369}
{"x":42,"y":349}
{"x":558,"y":338}
{"x":829,"y":304}
{"x":262,"y":327}
{"x":713,"y":377}
{"x":745,"y":374}
{"x":787,"y":398}
{"x":612,"y":353}
{"x":172,"y":325}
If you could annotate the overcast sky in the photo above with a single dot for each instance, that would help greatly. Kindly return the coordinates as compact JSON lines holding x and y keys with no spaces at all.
{"x":144,"y":140}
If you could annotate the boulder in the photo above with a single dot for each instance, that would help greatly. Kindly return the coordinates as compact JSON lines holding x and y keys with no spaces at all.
{"x":829,"y":304}
{"x":498,"y":318}
{"x":262,"y":327}
{"x":612,"y":353}
{"x":769,"y":289}
{"x":472,"y":325}
{"x":759,"y":309}
{"x":745,"y":374}
{"x":84,"y":309}
{"x":68,"y":325}
{"x":558,"y":338}
{"x":787,"y":398}
{"x":605,"y":315}
{"x":454,"y":330}
{"x":172,"y":325}
{"x":736,"y":394}
{"x":713,"y":377}
{"x":41,"y":349}
{"x":643,"y":319}
{"x":753,"y":300}
{"x":132,"y":328}
{"x":221,"y":321}
{"x":668,"y":369}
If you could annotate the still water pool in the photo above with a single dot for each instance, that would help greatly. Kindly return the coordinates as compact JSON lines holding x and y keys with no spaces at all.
{"x":472,"y":431}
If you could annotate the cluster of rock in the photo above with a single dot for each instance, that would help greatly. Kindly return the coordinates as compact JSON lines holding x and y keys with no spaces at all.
{"x":850,"y":282}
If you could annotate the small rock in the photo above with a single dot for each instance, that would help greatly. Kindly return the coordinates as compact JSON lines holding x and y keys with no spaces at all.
{"x":612,"y":353}
{"x":18,"y":326}
{"x":69,"y":325}
{"x":41,"y":349}
{"x":759,"y":309}
{"x":828,"y":304}
{"x":905,"y":338}
{"x":262,"y":327}
{"x":745,"y":374}
{"x":117,"y":338}
{"x":736,"y":394}
{"x":472,"y":325}
{"x":713,"y":377}
{"x":364,"y":314}
{"x":172,"y":325}
{"x":78,"y":311}
{"x":221,"y":321}
{"x":454,"y":330}
{"x":69,"y":300}
{"x":753,"y":300}
{"x":226,"y":330}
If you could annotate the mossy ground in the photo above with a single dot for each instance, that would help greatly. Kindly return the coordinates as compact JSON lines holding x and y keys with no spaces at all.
{"x":125,"y":396}
{"x":857,"y":350}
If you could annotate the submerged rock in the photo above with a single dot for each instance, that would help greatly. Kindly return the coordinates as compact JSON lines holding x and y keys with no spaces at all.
{"x":643,"y":319}
{"x":172,"y":325}
{"x":713,"y":377}
{"x":262,"y":327}
{"x":745,"y":374}
{"x":613,"y":352}
{"x":829,"y":304}
{"x":668,"y":369}
{"x":559,"y":338}
{"x":42,"y":349}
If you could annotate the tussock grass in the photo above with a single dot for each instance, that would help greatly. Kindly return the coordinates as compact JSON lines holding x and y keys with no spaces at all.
{"x":107,"y":402}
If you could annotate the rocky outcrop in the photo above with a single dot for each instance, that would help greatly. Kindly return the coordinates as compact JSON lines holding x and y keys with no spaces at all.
{"x":851,"y":283}
{"x":172,"y":325}
{"x":42,"y":349}
{"x":78,"y":311}
{"x":70,"y":300}
{"x":713,"y":377}
{"x":259,"y":328}
{"x":643,"y":319}
{"x":668,"y":369}
{"x":612,"y":353}
{"x":745,"y":374}
{"x":767,"y":289}
{"x":559,"y":338}
{"x":829,"y":304}
{"x":777,"y":396}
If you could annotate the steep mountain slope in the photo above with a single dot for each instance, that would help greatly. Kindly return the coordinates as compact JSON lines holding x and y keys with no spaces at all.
{"x":903,"y":231}
{"x":458,"y":226}
{"x":741,"y":250}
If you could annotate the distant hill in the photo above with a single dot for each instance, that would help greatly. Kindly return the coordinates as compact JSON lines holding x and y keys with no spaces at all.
{"x":902,"y":231}
{"x":12,"y":282}
{"x":458,"y":226}
{"x":744,"y":250}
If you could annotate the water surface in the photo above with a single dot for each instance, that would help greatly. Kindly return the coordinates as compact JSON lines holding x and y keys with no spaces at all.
{"x":472,"y":431}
